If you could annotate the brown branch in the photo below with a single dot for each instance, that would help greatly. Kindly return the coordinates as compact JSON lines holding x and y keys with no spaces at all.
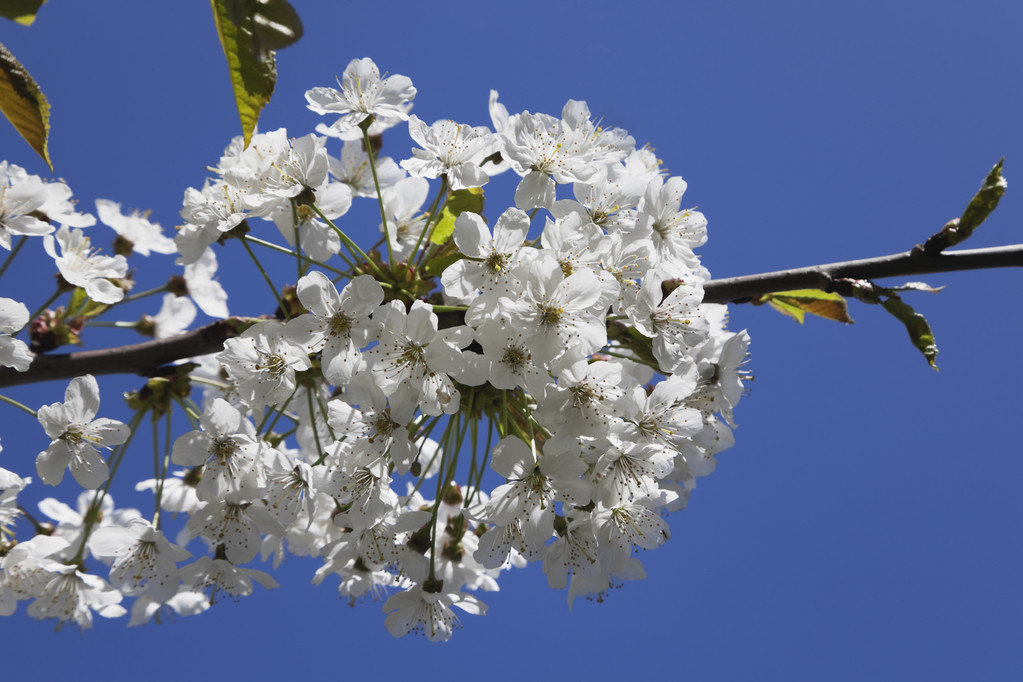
{"x":914,"y":262}
{"x":145,"y":358}
{"x":139,"y":358}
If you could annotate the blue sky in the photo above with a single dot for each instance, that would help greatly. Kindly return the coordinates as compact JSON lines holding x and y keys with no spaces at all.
{"x":867,"y":523}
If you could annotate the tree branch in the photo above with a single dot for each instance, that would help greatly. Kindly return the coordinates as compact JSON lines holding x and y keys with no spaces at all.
{"x":824,"y":277}
{"x":139,"y":358}
{"x":145,"y":358}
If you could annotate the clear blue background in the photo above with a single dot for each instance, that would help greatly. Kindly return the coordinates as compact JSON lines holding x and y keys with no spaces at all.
{"x":867,"y":523}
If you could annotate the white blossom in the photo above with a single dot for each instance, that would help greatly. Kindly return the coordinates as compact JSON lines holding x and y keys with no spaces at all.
{"x":145,"y":236}
{"x":13,"y":352}
{"x":82,"y":266}
{"x":363,"y":93}
{"x":76,"y":437}
{"x":450,"y":149}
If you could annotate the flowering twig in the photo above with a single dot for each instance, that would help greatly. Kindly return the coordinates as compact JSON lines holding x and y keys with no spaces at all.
{"x":144,"y":358}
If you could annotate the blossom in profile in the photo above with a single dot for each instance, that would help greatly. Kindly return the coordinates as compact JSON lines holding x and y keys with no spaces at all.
{"x":83,"y":267}
{"x":416,"y":610}
{"x":203,"y":287}
{"x":21,"y":197}
{"x":176,"y":313}
{"x":13,"y":352}
{"x":145,"y":237}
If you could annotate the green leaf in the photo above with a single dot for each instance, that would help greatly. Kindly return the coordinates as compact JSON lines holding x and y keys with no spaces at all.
{"x":24,"y":104}
{"x":919,"y":330}
{"x":250,"y":31}
{"x":442,"y":261}
{"x":916,"y":324}
{"x":983,"y":203}
{"x":459,"y":201}
{"x":980,"y":207}
{"x":797,"y":302}
{"x":21,"y":11}
{"x":792,"y":311}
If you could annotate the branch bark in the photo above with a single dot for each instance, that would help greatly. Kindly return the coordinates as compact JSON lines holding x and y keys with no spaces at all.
{"x":144,"y":358}
{"x":827,"y":277}
{"x":139,"y":358}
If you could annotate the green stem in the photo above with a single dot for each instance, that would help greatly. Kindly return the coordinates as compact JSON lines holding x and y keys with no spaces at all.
{"x":277,"y":412}
{"x":44,"y":306}
{"x":38,"y":527}
{"x":266,"y":277}
{"x":118,"y":324}
{"x":306,"y":259}
{"x":13,"y":253}
{"x":312,"y":418}
{"x":380,"y":196}
{"x":425,"y":434}
{"x":446,"y":468}
{"x":483,"y":465}
{"x":190,"y":409}
{"x":352,"y":246}
{"x":143,"y":294}
{"x":431,"y":220}
{"x":472,"y":462}
{"x":502,"y":424}
{"x":323,"y":413}
{"x":162,"y":477}
{"x":15,"y":403}
{"x":97,"y":500}
{"x":211,"y":382}
{"x":634,"y":358}
{"x":298,"y":244}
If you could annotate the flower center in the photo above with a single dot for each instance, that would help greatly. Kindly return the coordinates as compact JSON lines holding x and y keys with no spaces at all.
{"x":223,"y":448}
{"x":340,"y":324}
{"x":550,"y":315}
{"x":273,"y":363}
{"x":516,"y":357}
{"x":412,"y":354}
{"x":496,"y":262}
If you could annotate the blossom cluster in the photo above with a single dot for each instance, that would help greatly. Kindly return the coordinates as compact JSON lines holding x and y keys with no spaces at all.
{"x":551,"y":377}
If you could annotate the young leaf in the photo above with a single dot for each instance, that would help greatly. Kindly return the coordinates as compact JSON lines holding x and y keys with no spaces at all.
{"x":983,"y":203}
{"x":797,"y":302}
{"x":24,"y":104}
{"x":460,"y":201}
{"x":250,"y":31}
{"x":21,"y":11}
{"x":916,"y":325}
{"x":919,"y":331}
{"x":980,"y":207}
{"x":916,"y":286}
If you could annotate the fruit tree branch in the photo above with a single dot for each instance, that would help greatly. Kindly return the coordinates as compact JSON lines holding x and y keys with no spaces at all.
{"x":825,"y":277}
{"x":144,"y":358}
